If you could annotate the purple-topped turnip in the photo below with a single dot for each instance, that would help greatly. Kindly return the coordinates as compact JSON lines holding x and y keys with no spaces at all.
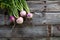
{"x":29,"y":15}
{"x":12,"y":19}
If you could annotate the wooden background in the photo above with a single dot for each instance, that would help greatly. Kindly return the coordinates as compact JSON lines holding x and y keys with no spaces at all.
{"x":34,"y":29}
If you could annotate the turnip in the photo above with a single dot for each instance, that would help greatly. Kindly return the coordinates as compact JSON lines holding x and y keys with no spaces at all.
{"x":20,"y":7}
{"x":19,"y":20}
{"x":23,"y":13}
{"x":12,"y":18}
{"x":29,"y":15}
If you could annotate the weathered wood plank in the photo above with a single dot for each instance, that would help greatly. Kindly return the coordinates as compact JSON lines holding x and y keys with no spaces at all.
{"x":51,"y":5}
{"x":48,"y":2}
{"x":27,"y":31}
{"x":49,"y":18}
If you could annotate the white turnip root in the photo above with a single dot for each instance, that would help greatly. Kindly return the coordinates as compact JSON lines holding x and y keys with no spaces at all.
{"x":19,"y":20}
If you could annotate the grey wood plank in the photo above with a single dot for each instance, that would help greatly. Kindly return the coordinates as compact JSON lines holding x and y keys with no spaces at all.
{"x":51,"y":6}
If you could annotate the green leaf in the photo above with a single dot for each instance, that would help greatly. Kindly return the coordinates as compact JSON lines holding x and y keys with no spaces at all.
{"x":25,"y":5}
{"x":15,"y":12}
{"x":18,"y":5}
{"x":10,"y":5}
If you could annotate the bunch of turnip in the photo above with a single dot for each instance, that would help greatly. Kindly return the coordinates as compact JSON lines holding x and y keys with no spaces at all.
{"x":18,"y":9}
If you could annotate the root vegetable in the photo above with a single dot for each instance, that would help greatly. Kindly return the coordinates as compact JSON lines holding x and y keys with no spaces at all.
{"x":19,"y":20}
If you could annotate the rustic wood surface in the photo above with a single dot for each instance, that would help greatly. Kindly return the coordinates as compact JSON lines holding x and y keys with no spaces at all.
{"x":37,"y":27}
